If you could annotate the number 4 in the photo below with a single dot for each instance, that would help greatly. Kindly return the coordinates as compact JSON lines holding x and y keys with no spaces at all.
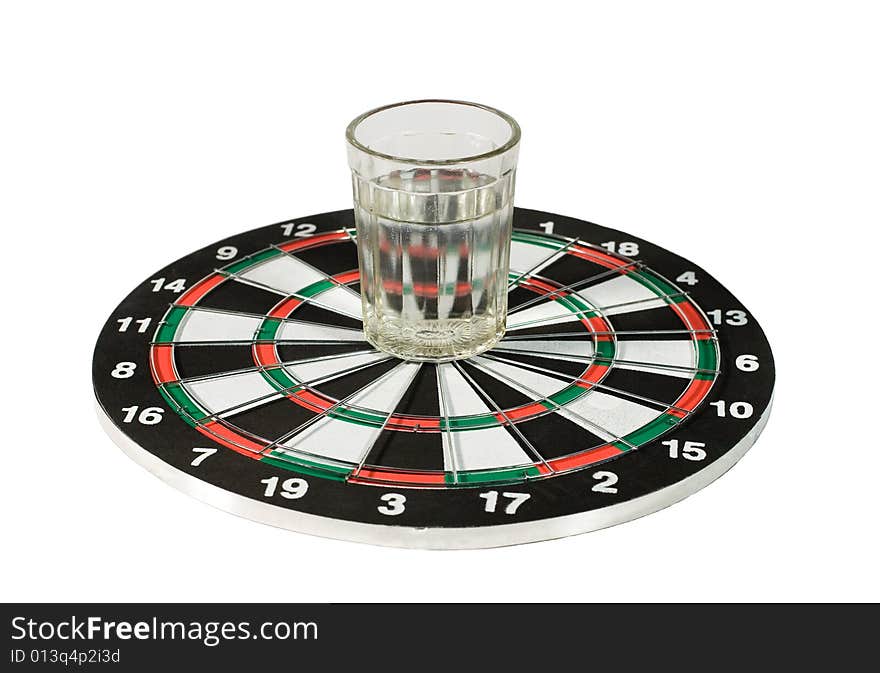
{"x":688,"y":278}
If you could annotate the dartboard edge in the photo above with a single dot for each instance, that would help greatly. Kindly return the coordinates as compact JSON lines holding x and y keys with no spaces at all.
{"x":628,"y":379}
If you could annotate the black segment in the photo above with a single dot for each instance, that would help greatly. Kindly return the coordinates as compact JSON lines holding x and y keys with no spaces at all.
{"x":233,"y":295}
{"x":661,"y":318}
{"x":331,"y":259}
{"x":500,"y":393}
{"x":567,"y":369}
{"x":292,"y":352}
{"x":573,"y":325}
{"x":569,"y":269}
{"x":310,"y":313}
{"x":272,"y":420}
{"x":422,"y":397}
{"x":196,"y":360}
{"x":407,"y":450}
{"x":660,"y":387}
{"x":348,"y":383}
{"x":554,"y":435}
{"x":519,"y":295}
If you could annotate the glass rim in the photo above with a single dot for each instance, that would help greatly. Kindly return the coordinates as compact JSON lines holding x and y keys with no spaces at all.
{"x":512,"y":142}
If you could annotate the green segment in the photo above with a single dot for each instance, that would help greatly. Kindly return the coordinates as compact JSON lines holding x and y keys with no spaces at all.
{"x":169,"y":326}
{"x":707,"y":358}
{"x":515,"y":474}
{"x":657,"y":285}
{"x":316,"y":288}
{"x":537,"y":239}
{"x":308,"y":467}
{"x":652,"y":430}
{"x":176,"y":397}
{"x":268,"y":329}
{"x":253,"y":259}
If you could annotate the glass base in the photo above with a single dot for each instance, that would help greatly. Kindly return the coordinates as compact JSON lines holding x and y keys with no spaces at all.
{"x":434,"y":340}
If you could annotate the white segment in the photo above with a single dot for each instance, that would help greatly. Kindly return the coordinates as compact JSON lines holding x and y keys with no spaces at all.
{"x":211,"y":326}
{"x":620,"y":290}
{"x":549,"y":348}
{"x":481,"y":449}
{"x":609,"y":413}
{"x":544,"y":313}
{"x":292,"y":331}
{"x":677,"y":353}
{"x":524,"y":257}
{"x":221,"y":393}
{"x":283,"y":273}
{"x":309,"y":371}
{"x":543,"y":385}
{"x":341,"y":440}
{"x":340,"y":299}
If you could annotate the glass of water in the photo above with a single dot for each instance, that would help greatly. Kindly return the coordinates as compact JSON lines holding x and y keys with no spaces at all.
{"x":433,"y":184}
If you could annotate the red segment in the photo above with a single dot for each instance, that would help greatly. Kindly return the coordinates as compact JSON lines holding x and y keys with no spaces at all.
{"x":696,"y":391}
{"x":525,"y":411}
{"x":431,"y":424}
{"x":265,"y":354}
{"x":597,"y":257}
{"x":347,"y":277}
{"x":585,"y":458}
{"x":313,"y":241}
{"x":594,"y":374}
{"x":425,"y":478}
{"x":310,"y":400}
{"x":692,"y":317}
{"x":162,"y":364}
{"x":230,"y":439}
{"x":199,"y":290}
{"x":284,"y":308}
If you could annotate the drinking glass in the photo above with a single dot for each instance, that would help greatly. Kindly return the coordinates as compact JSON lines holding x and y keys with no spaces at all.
{"x":433,"y":184}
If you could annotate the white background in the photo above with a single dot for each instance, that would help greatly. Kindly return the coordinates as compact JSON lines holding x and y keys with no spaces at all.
{"x":743,"y":136}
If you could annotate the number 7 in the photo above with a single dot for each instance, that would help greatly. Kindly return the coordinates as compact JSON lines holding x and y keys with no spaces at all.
{"x":204,"y":454}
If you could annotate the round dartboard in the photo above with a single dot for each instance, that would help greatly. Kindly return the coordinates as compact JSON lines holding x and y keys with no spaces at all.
{"x":628,"y":378}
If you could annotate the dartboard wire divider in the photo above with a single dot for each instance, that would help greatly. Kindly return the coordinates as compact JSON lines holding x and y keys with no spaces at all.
{"x":614,"y":392}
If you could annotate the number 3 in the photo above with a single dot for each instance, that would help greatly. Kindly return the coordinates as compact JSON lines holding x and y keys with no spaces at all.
{"x":395,"y":504}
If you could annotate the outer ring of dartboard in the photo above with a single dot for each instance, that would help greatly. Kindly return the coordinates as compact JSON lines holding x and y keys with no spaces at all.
{"x":450,"y":518}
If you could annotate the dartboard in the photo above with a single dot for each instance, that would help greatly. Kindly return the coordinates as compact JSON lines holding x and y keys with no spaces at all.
{"x":627,"y":379}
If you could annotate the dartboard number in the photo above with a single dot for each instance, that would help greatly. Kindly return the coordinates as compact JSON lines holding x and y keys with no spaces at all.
{"x":514,"y":501}
{"x":303,"y":230}
{"x":747,"y":363}
{"x":628,"y":248}
{"x":291,"y":489}
{"x":688,"y":278}
{"x":177,"y":286}
{"x":204,"y":454}
{"x":688,"y":450}
{"x":547,"y":227}
{"x":226,"y":252}
{"x":734,"y":409}
{"x":147,"y":416}
{"x":395,"y":504}
{"x":733,"y":317}
{"x":123,"y":370}
{"x":606,"y":482}
{"x":142,"y":323}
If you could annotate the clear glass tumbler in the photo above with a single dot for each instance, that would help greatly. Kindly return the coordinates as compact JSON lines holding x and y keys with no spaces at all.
{"x":433,"y":184}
